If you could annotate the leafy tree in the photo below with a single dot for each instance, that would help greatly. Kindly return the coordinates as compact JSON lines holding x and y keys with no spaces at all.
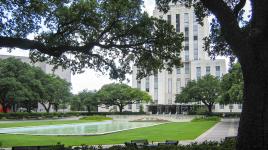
{"x":76,"y":103}
{"x":96,"y":33}
{"x":89,"y":100}
{"x":206,"y":90}
{"x":121,"y":95}
{"x":17,"y":79}
{"x":232,"y":86}
{"x":55,"y":91}
{"x":245,"y":38}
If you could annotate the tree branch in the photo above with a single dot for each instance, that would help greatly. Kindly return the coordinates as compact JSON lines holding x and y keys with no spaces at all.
{"x":27,"y":44}
{"x":238,"y":7}
{"x":228,"y":22}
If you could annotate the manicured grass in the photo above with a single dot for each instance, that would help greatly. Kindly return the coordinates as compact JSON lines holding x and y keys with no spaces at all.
{"x":39,"y":123}
{"x":172,"y":131}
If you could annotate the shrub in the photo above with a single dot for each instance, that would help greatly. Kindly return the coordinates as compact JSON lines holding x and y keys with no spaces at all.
{"x":43,"y":115}
{"x":96,"y":118}
{"x":206,"y":118}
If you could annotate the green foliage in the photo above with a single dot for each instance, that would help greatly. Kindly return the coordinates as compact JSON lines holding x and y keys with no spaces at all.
{"x":26,"y":85}
{"x":85,"y":100}
{"x":121,"y":95}
{"x":96,"y":33}
{"x":95,"y":118}
{"x":206,"y":90}
{"x":38,"y":116}
{"x":206,"y":118}
{"x":232,"y":86}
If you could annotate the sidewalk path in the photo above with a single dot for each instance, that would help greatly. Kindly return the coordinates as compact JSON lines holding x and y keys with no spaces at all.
{"x":225,"y":128}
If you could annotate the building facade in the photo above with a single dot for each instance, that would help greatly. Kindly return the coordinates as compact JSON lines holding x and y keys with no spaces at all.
{"x":164,"y":86}
{"x":48,"y":69}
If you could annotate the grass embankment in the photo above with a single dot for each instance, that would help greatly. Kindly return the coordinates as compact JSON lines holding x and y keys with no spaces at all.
{"x":54,"y":122}
{"x":172,"y":131}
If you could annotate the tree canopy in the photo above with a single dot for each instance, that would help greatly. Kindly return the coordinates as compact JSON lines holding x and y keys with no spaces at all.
{"x":26,"y":85}
{"x":89,"y":100}
{"x":232,"y":86}
{"x":206,"y":90}
{"x":105,"y":35}
{"x":121,"y":95}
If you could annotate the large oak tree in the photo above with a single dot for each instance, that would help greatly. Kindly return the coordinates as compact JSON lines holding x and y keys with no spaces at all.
{"x":245,"y":39}
{"x":105,"y":35}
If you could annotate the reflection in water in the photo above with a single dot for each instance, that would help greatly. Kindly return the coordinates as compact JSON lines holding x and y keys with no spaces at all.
{"x":76,"y":129}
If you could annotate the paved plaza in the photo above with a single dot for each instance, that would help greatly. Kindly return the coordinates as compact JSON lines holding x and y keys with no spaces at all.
{"x":225,"y":128}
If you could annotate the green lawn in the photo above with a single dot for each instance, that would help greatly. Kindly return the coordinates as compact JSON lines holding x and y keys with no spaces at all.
{"x":172,"y":131}
{"x":39,"y":123}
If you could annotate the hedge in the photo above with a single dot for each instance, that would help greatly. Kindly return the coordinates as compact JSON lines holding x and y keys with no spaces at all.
{"x":25,"y":115}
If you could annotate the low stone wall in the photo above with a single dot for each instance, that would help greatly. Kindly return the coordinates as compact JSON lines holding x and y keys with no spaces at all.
{"x":173,"y":118}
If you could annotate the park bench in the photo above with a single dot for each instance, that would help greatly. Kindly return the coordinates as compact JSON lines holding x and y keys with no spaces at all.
{"x":169,"y":142}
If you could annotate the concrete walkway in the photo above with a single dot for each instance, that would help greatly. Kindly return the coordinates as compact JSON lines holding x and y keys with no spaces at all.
{"x":225,"y":128}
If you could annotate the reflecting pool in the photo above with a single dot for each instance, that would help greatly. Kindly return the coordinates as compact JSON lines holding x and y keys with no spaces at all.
{"x":92,"y":128}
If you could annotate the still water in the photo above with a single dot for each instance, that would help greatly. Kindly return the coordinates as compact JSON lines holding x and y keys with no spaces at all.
{"x":92,"y":128}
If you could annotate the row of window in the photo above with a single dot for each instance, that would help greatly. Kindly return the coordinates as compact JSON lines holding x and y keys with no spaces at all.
{"x":198,"y":71}
{"x":186,"y":33}
{"x":231,"y":106}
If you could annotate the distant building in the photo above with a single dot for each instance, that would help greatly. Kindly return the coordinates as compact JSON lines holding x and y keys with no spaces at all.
{"x":47,"y":68}
{"x":164,"y":85}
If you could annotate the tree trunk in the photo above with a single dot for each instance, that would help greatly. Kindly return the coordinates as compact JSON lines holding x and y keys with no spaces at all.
{"x":121,"y":107}
{"x":56,"y":106}
{"x":209,"y":109}
{"x":46,"y":108}
{"x":253,"y":127}
{"x":88,"y":109}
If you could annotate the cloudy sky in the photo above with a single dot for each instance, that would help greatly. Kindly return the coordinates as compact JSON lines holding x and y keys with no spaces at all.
{"x":90,"y":79}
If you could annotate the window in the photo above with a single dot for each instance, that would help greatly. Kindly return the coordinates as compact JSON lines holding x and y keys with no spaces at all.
{"x":186,"y":81}
{"x":186,"y":19}
{"x":156,"y":81}
{"x":138,"y":105}
{"x":187,"y":68}
{"x":139,"y":84}
{"x":155,"y":94}
{"x":239,"y":106}
{"x":129,"y":106}
{"x":195,"y":50}
{"x":169,"y":19}
{"x":195,"y":34}
{"x":147,"y":84}
{"x":198,"y":73}
{"x":178,"y":70}
{"x":221,"y":106}
{"x":231,"y":106}
{"x":186,"y":36}
{"x":186,"y":55}
{"x":218,"y":71}
{"x":177,"y":22}
{"x":178,"y":86}
{"x":207,"y":70}
{"x":169,"y":85}
{"x":169,"y":101}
